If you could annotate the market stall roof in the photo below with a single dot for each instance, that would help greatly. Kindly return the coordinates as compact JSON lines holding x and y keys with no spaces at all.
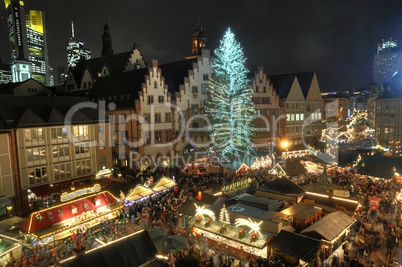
{"x":293,"y":167}
{"x":211,"y":202}
{"x":283,"y":186}
{"x":257,"y":213}
{"x":329,"y":227}
{"x":259,"y":202}
{"x":163,"y":183}
{"x":379,"y":166}
{"x":120,"y":185}
{"x":301,"y":211}
{"x":124,"y":252}
{"x":48,"y":220}
{"x":138,"y":192}
{"x":290,"y":244}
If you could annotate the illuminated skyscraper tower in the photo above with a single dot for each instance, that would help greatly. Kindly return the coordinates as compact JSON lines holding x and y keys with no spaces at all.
{"x":37,"y":45}
{"x":387,"y":61}
{"x":76,"y":50}
{"x":21,"y":68}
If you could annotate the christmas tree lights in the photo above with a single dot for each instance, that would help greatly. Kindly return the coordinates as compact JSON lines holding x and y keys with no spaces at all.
{"x":229,"y":106}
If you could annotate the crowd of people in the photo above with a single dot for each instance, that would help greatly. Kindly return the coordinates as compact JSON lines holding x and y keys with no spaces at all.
{"x":372,"y":241}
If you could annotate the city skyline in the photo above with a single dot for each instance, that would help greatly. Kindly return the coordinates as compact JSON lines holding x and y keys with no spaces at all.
{"x":335,"y":39}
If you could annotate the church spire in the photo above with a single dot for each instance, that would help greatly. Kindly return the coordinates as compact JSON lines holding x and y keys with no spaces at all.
{"x":106,"y":41}
{"x":199,"y":40}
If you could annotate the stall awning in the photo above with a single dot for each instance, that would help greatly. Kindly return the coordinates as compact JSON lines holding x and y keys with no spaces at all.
{"x":163,"y":183}
{"x":139,"y":192}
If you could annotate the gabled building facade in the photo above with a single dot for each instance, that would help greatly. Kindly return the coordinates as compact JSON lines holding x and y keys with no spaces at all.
{"x":158,"y":110}
{"x":301,"y":107}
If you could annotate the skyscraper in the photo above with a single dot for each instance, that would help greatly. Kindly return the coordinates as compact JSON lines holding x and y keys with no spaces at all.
{"x":387,"y":61}
{"x":21,"y":68}
{"x":76,"y":50}
{"x":37,"y":45}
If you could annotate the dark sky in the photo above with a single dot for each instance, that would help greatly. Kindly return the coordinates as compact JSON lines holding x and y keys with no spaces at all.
{"x":337,"y":39}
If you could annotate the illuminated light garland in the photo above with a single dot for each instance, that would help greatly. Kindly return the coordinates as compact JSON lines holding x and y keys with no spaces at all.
{"x":254,"y":226}
{"x":201,"y":211}
{"x":228,"y":106}
{"x":349,"y":128}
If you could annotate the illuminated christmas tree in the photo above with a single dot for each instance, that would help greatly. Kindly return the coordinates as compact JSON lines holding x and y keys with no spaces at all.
{"x":224,"y":216}
{"x":229,"y":107}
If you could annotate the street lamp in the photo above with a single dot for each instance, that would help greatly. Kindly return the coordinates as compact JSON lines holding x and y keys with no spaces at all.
{"x":9,"y":210}
{"x":285,"y":145}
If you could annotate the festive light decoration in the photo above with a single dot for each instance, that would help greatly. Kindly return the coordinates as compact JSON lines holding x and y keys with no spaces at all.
{"x":228,"y":106}
{"x":201,"y":211}
{"x":254,"y":226}
{"x":224,"y":215}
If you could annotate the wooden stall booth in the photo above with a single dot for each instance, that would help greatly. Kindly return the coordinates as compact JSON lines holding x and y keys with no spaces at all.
{"x":59,"y":222}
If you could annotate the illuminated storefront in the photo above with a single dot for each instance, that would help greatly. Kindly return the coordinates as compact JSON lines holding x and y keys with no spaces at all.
{"x":104,"y":173}
{"x":78,"y":211}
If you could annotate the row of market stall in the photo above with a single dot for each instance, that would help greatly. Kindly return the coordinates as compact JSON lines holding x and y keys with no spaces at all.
{"x":81,"y":209}
{"x":268,"y":221}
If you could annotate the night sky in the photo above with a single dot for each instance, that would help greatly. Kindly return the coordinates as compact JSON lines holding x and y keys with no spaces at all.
{"x":336,"y":39}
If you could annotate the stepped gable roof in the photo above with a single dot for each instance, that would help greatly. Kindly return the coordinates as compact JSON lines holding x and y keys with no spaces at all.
{"x":283,"y":83}
{"x":289,"y":243}
{"x":175,"y":72}
{"x":128,"y":82}
{"x":329,"y":227}
{"x":305,"y":79}
{"x":282,"y":186}
{"x":27,"y":111}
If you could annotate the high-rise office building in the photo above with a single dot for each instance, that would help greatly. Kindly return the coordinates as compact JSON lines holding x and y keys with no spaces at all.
{"x":5,"y":73}
{"x":27,"y":36}
{"x":76,"y":50}
{"x":37,"y":45}
{"x":387,"y":61}
{"x":21,"y":68}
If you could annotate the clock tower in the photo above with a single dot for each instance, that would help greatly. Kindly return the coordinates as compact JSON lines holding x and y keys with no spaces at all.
{"x":106,"y":42}
{"x":198,"y":41}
